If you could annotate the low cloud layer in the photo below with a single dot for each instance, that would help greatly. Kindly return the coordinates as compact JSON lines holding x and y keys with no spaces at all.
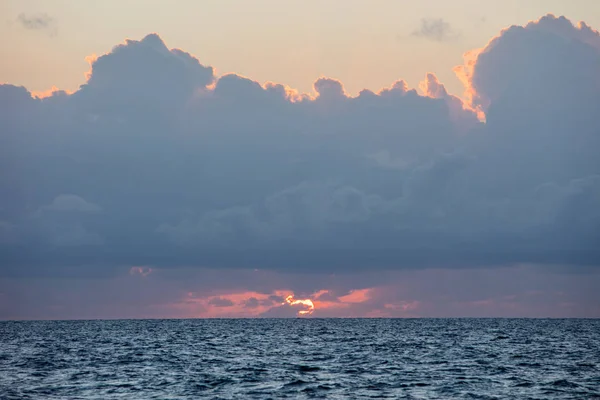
{"x":519,"y":291}
{"x":156,"y":161}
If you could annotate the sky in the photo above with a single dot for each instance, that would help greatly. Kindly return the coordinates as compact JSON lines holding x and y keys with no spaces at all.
{"x":285,"y":159}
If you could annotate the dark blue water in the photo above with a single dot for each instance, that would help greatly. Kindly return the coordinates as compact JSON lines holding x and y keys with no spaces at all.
{"x":301,"y":358}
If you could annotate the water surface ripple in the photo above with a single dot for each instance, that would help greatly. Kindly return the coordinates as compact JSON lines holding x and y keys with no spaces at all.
{"x":301,"y":358}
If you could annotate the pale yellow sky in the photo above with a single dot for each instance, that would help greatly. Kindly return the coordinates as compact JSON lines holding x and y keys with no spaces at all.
{"x":365,"y":44}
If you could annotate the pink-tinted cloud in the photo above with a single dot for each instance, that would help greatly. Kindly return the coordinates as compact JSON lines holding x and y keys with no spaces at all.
{"x":520,"y":291}
{"x":245,"y":304}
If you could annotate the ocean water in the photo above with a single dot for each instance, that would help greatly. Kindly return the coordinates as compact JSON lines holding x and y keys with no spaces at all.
{"x":301,"y":358}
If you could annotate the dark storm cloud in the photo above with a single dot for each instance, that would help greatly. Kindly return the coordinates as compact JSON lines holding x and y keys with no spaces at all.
{"x":156,"y":162}
{"x":38,"y":22}
{"x":435,"y":29}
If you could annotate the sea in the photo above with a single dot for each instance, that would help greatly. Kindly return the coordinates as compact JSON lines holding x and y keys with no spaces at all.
{"x":301,"y":358}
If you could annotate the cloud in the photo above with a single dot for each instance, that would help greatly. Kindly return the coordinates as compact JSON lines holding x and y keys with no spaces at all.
{"x":549,"y":60}
{"x":38,"y":22}
{"x":141,"y":78}
{"x":7,"y":232}
{"x":290,"y":307}
{"x":435,"y":29}
{"x":220,"y":302}
{"x":141,"y":271}
{"x":70,"y":202}
{"x":467,"y":121}
{"x":518,"y":291}
{"x":539,"y":88}
{"x":155,"y":161}
{"x":252,"y":302}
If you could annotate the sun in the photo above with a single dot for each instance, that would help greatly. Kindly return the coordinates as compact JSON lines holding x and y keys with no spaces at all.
{"x":306,"y":302}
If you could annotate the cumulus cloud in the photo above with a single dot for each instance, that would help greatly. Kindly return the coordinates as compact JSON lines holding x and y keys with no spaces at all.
{"x":436,"y":29}
{"x":537,"y":68}
{"x":141,"y":78}
{"x":155,"y":161}
{"x":539,"y":87}
{"x":38,"y":22}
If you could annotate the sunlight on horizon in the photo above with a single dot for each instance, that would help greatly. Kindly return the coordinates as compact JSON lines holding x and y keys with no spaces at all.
{"x":305,"y":302}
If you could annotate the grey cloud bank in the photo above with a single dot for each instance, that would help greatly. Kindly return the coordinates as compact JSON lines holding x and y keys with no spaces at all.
{"x":155,"y":161}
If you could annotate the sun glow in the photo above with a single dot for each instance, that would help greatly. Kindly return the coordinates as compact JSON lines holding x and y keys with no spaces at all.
{"x":306,"y":302}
